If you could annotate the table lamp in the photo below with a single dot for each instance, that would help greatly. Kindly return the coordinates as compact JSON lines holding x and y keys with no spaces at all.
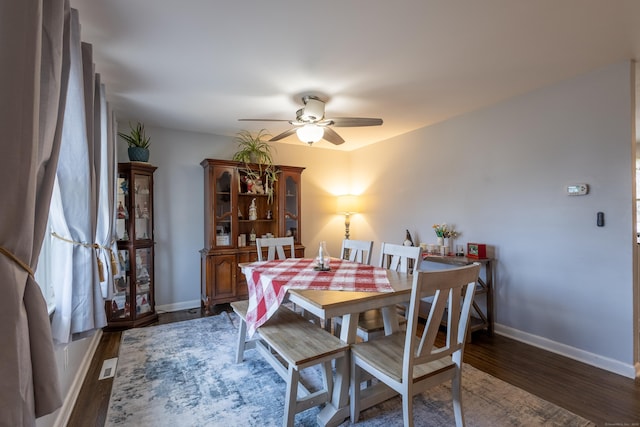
{"x":347,"y":206}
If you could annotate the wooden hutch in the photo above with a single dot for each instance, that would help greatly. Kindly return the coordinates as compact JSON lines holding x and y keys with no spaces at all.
{"x":230,"y":228}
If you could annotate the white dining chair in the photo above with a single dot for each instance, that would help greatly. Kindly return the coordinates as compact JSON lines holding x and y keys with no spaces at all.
{"x":399,"y":257}
{"x":393,"y":257}
{"x":410,"y":364}
{"x":357,"y":250}
{"x":275,"y":246}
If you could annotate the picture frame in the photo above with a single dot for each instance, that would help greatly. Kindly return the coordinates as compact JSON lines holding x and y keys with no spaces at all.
{"x":476,"y":250}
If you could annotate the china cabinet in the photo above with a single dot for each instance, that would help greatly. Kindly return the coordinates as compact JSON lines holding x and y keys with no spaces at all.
{"x":132,"y":301}
{"x":242,"y":203}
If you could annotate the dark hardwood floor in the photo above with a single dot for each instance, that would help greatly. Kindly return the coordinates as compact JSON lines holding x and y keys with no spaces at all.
{"x":597,"y":395}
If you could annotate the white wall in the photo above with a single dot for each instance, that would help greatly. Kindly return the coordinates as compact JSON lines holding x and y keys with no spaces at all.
{"x":497,"y":174}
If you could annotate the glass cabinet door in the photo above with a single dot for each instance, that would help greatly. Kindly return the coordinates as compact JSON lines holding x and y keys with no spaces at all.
{"x":222,"y":205}
{"x":143,"y":221}
{"x":120,"y":302}
{"x":292,"y":207}
{"x":143,"y":283}
{"x":122,"y":203}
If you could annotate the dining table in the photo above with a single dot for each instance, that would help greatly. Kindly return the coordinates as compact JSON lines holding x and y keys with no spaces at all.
{"x":327,"y":295}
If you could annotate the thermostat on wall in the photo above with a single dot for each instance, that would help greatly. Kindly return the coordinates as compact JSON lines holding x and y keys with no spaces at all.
{"x":577,"y":189}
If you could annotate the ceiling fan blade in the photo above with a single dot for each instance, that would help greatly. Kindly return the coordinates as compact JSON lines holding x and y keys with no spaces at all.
{"x":283,"y":135}
{"x":355,"y":121}
{"x":331,"y":136}
{"x":262,"y":120}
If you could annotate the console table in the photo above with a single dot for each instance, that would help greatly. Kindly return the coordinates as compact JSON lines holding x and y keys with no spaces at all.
{"x":480,"y":319}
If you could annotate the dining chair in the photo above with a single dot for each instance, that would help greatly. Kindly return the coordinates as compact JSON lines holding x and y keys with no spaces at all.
{"x":278,"y":246}
{"x":399,"y":257}
{"x":393,"y":257}
{"x":357,"y":250}
{"x":410,"y":364}
{"x":275,"y":246}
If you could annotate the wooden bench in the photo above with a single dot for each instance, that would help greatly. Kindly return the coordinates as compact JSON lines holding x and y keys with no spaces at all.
{"x":240,"y":308}
{"x":290,"y":343}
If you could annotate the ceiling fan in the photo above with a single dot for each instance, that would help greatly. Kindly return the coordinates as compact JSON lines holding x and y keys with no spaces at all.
{"x":311,"y":126}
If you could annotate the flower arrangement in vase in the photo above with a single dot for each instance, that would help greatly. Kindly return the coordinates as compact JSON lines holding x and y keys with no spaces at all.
{"x":444,"y":231}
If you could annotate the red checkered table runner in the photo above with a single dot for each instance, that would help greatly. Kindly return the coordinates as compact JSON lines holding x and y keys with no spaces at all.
{"x":268,"y":282}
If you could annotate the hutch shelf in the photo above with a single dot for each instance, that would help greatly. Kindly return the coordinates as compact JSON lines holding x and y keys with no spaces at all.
{"x":237,"y":209}
{"x":132,"y":300}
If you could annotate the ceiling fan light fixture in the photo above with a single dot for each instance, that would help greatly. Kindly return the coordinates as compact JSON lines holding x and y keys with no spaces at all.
{"x":310,"y":133}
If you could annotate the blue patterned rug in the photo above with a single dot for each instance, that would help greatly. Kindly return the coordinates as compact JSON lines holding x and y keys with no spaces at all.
{"x":183,"y":374}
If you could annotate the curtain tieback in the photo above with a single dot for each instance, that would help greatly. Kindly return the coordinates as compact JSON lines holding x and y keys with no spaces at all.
{"x":11,"y":256}
{"x":91,"y":246}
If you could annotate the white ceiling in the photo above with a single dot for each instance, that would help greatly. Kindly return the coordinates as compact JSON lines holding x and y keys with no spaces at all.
{"x":200,"y":65}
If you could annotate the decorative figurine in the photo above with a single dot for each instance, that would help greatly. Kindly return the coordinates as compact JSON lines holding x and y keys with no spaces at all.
{"x":252,"y":237}
{"x":240,"y":216}
{"x":250,"y":185}
{"x":253,"y":211}
{"x":269,"y":214}
{"x":408,"y":241}
{"x":122,"y":213}
{"x":258,"y":188}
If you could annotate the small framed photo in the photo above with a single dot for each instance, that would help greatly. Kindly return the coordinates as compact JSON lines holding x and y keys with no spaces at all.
{"x":476,"y":250}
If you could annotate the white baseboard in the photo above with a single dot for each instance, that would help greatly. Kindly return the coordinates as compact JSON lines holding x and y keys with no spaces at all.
{"x":185,"y":305}
{"x":70,"y":399}
{"x":592,"y":359}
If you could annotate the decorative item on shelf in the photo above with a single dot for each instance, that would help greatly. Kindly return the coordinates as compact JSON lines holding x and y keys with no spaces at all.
{"x":253,"y":211}
{"x":122,"y":213}
{"x":138,"y":143}
{"x":256,"y":150}
{"x":269,"y":214}
{"x":258,"y":188}
{"x":323,"y":258}
{"x":347,"y":206}
{"x":445,"y":234}
{"x":252,"y":237}
{"x":408,"y":241}
{"x":124,"y":187}
{"x":476,"y":250}
{"x":240,"y":216}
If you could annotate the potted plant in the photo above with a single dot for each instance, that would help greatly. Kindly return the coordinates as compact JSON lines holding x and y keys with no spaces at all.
{"x":138,"y":143}
{"x":255,"y":149}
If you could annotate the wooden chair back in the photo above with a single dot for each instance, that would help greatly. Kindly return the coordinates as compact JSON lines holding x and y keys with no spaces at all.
{"x":399,"y":257}
{"x":410,"y":364}
{"x":452,"y":291}
{"x":357,"y":250}
{"x":276,"y":246}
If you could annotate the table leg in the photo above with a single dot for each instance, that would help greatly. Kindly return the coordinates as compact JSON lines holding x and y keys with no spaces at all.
{"x":335,"y":412}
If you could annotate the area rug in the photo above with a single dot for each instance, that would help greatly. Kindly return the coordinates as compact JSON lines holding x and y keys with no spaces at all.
{"x":183,"y":374}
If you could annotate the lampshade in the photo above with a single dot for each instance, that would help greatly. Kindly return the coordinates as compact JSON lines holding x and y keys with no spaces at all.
{"x":347,"y":204}
{"x":310,"y":133}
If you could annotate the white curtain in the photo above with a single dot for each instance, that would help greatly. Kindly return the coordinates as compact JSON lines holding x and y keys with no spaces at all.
{"x":82,"y":215}
{"x":33,"y":79}
{"x":106,"y":180}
